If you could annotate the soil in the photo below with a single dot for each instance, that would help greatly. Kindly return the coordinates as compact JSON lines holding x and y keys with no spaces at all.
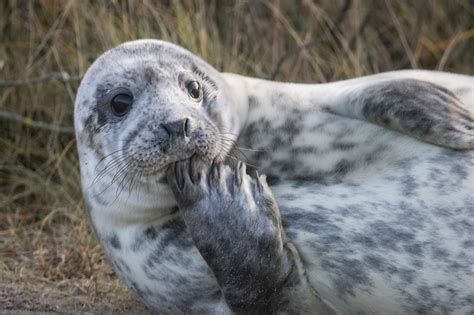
{"x":16,"y":298}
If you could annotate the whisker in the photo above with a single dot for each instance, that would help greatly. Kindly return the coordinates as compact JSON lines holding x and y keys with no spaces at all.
{"x":135,"y":181}
{"x":130,"y":183}
{"x":107,"y":156}
{"x":108,"y":169}
{"x":117,"y":174}
{"x":121,"y":185}
{"x":252,"y":150}
{"x":230,"y":153}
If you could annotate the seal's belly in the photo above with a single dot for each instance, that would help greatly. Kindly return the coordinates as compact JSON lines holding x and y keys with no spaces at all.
{"x":398,"y":242}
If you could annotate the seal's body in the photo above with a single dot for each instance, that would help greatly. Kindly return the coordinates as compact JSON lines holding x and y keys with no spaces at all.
{"x":383,"y":222}
{"x":371,"y":179}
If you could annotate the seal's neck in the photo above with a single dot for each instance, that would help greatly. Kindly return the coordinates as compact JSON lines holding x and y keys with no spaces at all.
{"x":255,"y":99}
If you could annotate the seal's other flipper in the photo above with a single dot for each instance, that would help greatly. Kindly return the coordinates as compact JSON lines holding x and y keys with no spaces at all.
{"x":419,"y":109}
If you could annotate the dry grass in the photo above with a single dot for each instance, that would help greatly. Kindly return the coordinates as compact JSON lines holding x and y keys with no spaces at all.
{"x":47,"y":250}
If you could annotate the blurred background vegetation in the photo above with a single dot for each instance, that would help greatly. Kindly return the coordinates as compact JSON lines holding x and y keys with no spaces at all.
{"x":49,"y":258}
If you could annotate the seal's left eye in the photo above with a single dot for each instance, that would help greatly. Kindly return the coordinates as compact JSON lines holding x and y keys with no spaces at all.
{"x":121,"y":104}
{"x":194,"y":90}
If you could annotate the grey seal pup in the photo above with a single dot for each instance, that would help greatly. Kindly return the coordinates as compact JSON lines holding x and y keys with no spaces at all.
{"x":368,"y":206}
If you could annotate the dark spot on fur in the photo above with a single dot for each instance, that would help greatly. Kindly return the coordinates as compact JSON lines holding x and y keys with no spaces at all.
{"x":365,"y":240}
{"x":122,"y":265}
{"x":468,"y":244}
{"x":173,"y":234}
{"x":409,"y":185}
{"x":277,"y":142}
{"x":114,"y":241}
{"x":131,"y":136}
{"x":351,"y":275}
{"x":375,"y":262}
{"x":89,"y":131}
{"x":150,"y":233}
{"x":253,"y":102}
{"x":388,"y":236}
{"x":343,"y":167}
{"x":414,"y":249}
{"x":343,"y":146}
{"x":149,"y":75}
{"x":303,"y":150}
{"x":292,"y":126}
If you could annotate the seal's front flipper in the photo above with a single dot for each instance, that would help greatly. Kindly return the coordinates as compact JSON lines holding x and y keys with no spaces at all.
{"x":235,"y":223}
{"x":419,"y":109}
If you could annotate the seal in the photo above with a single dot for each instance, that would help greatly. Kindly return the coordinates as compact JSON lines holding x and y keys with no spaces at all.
{"x":369,"y":210}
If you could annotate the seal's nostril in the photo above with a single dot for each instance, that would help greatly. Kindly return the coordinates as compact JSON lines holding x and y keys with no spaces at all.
{"x":187,"y":127}
{"x":167,"y":130}
{"x":176,"y":129}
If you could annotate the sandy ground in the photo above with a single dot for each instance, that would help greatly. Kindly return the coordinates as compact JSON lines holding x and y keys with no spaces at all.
{"x":52,"y":270}
{"x":18,"y":299}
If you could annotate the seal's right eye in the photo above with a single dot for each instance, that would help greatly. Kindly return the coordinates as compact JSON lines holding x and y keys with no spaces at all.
{"x":121,"y":104}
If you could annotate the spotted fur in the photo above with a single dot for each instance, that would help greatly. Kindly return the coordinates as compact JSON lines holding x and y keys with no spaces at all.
{"x":372,"y":176}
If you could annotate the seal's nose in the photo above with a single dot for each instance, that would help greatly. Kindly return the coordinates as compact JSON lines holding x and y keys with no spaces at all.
{"x":178,"y":129}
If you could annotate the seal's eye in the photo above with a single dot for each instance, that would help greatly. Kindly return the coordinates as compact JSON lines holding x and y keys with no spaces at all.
{"x":121,"y":104}
{"x":194,"y":90}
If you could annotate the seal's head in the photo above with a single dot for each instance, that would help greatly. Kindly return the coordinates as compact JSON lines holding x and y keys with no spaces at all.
{"x":148,"y":103}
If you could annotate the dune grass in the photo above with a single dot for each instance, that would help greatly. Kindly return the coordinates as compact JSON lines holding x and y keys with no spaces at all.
{"x":47,"y":250}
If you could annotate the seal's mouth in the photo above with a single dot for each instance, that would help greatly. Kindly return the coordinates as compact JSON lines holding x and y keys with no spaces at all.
{"x":154,"y":168}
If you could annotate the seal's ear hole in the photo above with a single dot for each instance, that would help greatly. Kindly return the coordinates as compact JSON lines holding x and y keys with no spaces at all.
{"x":194,"y":90}
{"x":121,"y":104}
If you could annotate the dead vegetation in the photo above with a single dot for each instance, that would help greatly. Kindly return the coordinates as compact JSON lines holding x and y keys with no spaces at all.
{"x":49,"y":258}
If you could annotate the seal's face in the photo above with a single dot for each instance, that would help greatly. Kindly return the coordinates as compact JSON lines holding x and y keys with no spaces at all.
{"x":146,"y":104}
